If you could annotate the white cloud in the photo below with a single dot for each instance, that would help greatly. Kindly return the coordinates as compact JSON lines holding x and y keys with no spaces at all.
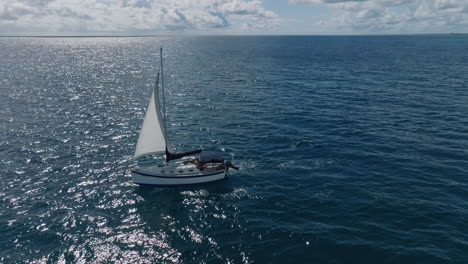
{"x":322,"y":1}
{"x":395,"y":16}
{"x":227,"y":16}
{"x":160,"y":16}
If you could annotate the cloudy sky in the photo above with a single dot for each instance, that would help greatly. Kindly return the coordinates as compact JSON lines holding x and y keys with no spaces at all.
{"x":179,"y":17}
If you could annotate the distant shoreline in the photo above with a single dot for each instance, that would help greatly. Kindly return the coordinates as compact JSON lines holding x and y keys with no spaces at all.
{"x":279,"y":35}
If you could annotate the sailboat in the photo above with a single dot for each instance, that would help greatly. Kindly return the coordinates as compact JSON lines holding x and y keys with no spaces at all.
{"x":191,"y":167}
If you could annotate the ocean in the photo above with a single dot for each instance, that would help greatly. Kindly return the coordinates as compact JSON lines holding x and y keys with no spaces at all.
{"x":352,"y":149}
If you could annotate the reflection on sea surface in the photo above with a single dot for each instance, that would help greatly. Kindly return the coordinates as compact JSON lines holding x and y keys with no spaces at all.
{"x":351,"y":149}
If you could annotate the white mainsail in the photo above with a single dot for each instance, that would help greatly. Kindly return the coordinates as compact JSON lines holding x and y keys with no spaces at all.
{"x":152,"y":139}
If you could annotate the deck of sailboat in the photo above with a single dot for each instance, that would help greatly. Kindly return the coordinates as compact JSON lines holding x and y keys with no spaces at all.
{"x":180,"y":169}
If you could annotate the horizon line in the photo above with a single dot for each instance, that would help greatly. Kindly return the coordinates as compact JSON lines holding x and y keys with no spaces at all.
{"x":219,"y":35}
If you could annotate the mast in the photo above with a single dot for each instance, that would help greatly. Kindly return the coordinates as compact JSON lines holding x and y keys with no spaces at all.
{"x":153,"y":137}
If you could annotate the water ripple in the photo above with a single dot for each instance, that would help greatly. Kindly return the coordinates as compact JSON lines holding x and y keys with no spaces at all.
{"x":350,"y":148}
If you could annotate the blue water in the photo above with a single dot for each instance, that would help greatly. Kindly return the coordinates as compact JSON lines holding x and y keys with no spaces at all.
{"x":352,"y":150}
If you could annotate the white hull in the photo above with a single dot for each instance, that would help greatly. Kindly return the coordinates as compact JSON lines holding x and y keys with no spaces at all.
{"x":175,"y":174}
{"x":152,"y":179}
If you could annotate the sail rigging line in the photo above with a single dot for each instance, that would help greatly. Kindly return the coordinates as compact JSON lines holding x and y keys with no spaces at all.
{"x":169,"y":147}
{"x":163,"y":97}
{"x":170,"y":153}
{"x":161,"y":68}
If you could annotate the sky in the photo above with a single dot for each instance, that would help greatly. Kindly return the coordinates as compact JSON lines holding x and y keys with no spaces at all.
{"x":232,"y":17}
